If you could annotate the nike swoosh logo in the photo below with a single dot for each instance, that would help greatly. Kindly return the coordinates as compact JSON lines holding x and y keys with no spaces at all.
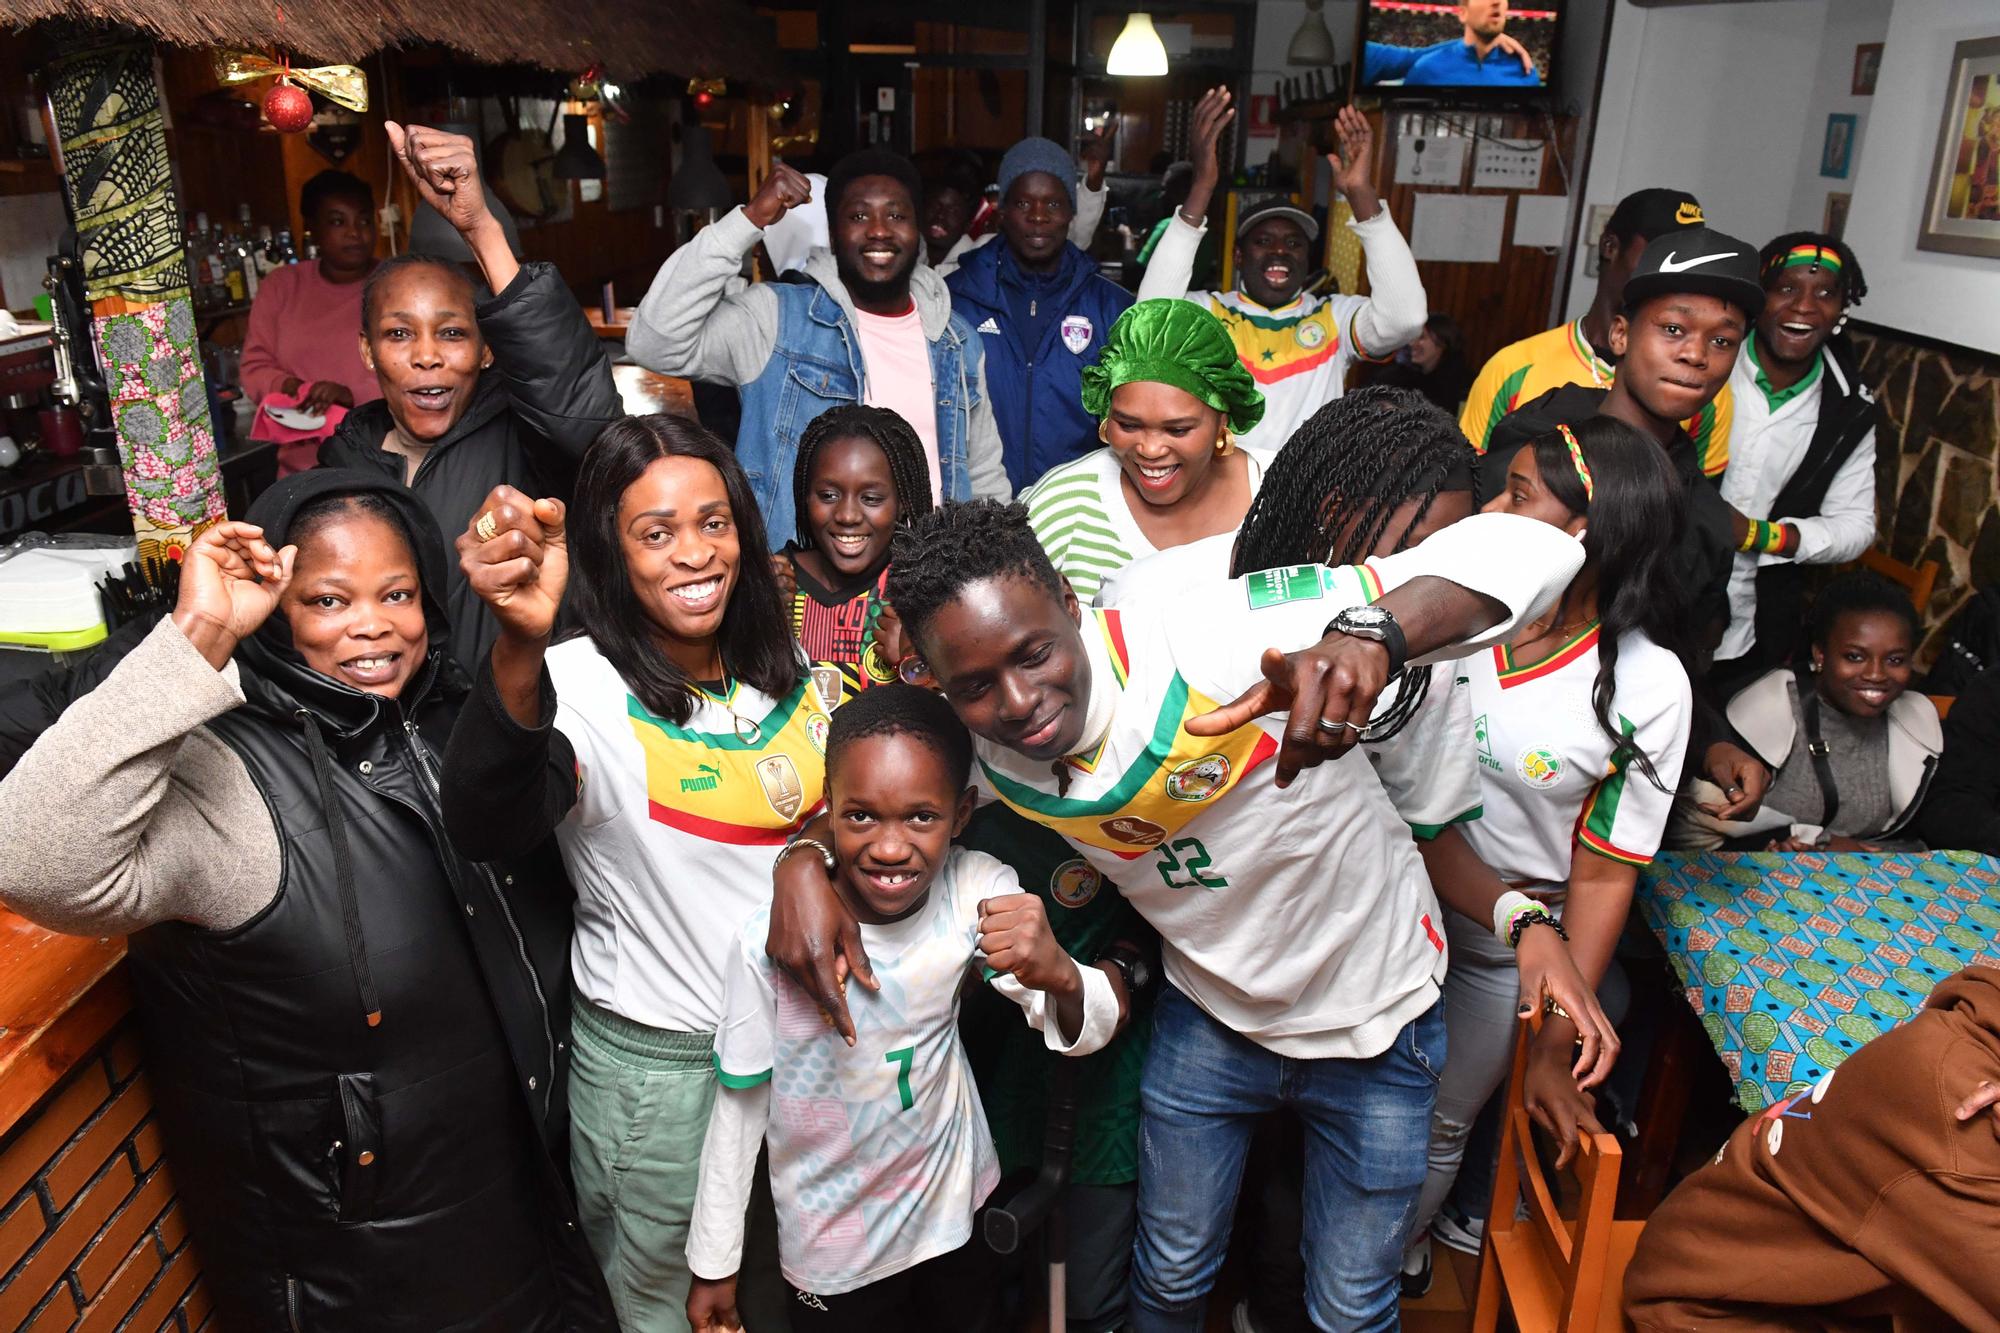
{"x":1668,"y":265}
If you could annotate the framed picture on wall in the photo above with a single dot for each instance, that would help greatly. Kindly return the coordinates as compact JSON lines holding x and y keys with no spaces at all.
{"x":1834,"y":223}
{"x":1867,"y":64}
{"x":1961,"y":211}
{"x":1837,"y":155}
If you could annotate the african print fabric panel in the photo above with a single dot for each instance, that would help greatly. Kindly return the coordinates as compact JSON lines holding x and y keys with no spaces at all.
{"x":1795,"y":960}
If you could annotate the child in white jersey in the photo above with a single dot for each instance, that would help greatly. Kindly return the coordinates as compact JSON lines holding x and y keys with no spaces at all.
{"x":880,"y":1153}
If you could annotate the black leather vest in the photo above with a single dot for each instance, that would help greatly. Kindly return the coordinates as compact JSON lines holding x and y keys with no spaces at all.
{"x":402,"y":1176}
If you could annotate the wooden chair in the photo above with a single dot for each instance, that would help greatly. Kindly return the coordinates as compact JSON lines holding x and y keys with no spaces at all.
{"x":1554,"y":1275}
{"x":1916,"y":580}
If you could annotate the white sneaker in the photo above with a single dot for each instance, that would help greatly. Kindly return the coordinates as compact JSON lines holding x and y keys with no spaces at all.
{"x":1416,"y":1277}
{"x":1454,"y":1229}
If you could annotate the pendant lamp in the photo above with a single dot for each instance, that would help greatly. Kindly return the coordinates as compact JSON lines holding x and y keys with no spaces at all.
{"x":698,"y":185}
{"x":1312,"y":44}
{"x":1138,"y":52}
{"x":576,"y":160}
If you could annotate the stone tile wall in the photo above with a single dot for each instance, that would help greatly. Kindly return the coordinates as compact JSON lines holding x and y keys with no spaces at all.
{"x":1935,"y":463}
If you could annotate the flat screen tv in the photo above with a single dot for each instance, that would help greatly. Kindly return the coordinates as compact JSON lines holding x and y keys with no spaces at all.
{"x":1485,"y":49}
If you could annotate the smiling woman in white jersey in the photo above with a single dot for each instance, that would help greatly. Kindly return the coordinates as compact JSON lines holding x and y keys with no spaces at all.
{"x":672,"y":750}
{"x":1581,"y":723}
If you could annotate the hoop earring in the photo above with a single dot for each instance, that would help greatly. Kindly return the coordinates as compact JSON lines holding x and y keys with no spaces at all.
{"x":1103,"y":427}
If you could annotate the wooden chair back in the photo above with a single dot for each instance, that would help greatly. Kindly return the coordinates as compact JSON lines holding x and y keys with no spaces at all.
{"x":1555,"y":1275}
{"x":1917,"y":580}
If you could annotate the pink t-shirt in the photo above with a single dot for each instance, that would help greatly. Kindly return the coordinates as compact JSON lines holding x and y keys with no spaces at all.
{"x":303,"y":325}
{"x":898,"y":362}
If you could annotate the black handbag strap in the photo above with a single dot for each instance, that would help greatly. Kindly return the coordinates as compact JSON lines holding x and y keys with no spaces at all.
{"x":1816,"y":749}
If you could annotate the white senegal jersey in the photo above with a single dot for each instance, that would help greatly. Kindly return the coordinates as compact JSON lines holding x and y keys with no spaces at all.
{"x":880,"y":1153}
{"x":1300,"y":918}
{"x":1551,"y":781}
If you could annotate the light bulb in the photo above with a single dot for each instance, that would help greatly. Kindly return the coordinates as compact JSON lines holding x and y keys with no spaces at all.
{"x":1138,"y":52}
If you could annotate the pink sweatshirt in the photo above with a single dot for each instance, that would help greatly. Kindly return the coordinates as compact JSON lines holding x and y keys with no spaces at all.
{"x":303,"y":325}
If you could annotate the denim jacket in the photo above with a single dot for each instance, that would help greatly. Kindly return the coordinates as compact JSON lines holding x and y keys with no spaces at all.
{"x":793,"y":352}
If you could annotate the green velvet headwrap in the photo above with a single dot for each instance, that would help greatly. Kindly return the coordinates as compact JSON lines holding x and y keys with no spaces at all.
{"x":1169,"y":341}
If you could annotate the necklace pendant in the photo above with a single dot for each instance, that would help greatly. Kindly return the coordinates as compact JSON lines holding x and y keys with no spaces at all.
{"x":747,"y":731}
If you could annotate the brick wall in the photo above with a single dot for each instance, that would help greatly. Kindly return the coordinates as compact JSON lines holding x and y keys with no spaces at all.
{"x":90,"y":1236}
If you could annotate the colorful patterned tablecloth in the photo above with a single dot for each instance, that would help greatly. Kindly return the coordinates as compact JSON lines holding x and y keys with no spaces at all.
{"x":1793,"y":960}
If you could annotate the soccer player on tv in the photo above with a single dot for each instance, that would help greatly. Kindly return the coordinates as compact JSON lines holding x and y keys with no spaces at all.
{"x":1483,"y":55}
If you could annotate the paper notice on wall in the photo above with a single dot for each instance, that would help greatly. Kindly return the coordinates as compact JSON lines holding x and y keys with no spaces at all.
{"x":1459,"y":228}
{"x":1507,"y":164}
{"x":1540,"y":220}
{"x":1430,"y":159}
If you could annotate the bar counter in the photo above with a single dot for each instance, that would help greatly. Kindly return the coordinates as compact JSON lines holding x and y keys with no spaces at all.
{"x":90,"y":1234}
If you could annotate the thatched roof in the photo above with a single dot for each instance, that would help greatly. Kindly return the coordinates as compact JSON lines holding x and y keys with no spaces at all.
{"x":631,"y":38}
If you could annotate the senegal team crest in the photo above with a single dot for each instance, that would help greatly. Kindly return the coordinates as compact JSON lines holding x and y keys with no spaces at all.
{"x":1076,"y":331}
{"x":1310,"y":333}
{"x":1199,"y":779}
{"x":782,"y":787}
{"x":1075,"y":882}
{"x":816,"y":728}
{"x":1134,"y":831}
{"x":1541,"y":767}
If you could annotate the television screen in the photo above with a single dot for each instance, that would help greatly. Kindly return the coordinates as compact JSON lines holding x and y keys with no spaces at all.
{"x":1484,"y":46}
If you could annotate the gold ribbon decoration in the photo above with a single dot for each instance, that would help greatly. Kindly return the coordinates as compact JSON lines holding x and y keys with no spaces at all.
{"x":345,"y":84}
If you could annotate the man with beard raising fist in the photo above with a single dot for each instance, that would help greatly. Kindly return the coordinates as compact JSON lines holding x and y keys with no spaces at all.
{"x":1297,"y":346}
{"x":868,"y":325}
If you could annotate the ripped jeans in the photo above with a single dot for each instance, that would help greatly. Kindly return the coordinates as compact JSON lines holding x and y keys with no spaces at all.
{"x":1481,"y":992}
{"x":1205,"y":1088}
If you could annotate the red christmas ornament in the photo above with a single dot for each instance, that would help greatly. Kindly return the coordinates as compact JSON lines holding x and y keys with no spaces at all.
{"x":288,"y":107}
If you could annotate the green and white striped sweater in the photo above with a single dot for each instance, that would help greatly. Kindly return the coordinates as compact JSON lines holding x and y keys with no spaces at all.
{"x":1081,"y":516}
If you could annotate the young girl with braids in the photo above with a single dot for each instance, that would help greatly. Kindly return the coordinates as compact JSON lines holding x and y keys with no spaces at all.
{"x":861,"y":473}
{"x":1580,"y":723}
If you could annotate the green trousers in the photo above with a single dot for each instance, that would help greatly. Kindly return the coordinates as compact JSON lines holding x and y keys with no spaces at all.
{"x":639,"y":1100}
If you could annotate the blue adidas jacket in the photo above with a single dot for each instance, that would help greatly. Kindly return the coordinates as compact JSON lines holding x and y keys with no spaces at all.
{"x":1036,"y":392}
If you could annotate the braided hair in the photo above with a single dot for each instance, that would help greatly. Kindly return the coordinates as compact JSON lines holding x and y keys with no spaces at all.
{"x":909,"y":467}
{"x":1853,"y":286}
{"x":1330,"y":494}
{"x":1635,"y":512}
{"x":940,"y":553}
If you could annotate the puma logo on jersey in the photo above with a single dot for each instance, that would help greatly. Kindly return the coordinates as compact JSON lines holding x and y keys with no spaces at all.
{"x":710,"y":779}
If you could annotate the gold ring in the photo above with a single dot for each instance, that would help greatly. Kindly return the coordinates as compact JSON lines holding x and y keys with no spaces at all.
{"x":1549,"y":1006}
{"x":486,"y":529}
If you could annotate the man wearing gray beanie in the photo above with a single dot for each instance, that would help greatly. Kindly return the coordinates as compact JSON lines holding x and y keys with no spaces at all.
{"x":1041,"y":310}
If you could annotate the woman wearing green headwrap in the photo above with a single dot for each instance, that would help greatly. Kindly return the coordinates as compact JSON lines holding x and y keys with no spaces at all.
{"x":1170,"y":396}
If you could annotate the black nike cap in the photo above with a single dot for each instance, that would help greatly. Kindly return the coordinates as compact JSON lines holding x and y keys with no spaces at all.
{"x":1708,"y":263}
{"x":1654,"y":213}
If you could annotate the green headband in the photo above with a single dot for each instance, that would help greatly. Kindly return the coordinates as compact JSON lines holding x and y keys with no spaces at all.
{"x":1171,"y":341}
{"x":1804,"y":256}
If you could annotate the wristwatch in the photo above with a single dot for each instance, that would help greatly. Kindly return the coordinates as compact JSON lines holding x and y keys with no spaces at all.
{"x":1131,"y":965}
{"x":825,"y":852}
{"x":1373,"y":622}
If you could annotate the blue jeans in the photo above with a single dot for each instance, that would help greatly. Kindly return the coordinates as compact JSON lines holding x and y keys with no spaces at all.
{"x":1367,"y":1124}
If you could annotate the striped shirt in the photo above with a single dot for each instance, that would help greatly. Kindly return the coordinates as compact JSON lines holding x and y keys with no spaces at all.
{"x":1550,"y":780}
{"x":1522,"y":372}
{"x":1083,"y":519}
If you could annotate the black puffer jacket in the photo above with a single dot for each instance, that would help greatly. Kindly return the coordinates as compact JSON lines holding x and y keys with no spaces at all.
{"x":363,"y":1087}
{"x":534,"y":411}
